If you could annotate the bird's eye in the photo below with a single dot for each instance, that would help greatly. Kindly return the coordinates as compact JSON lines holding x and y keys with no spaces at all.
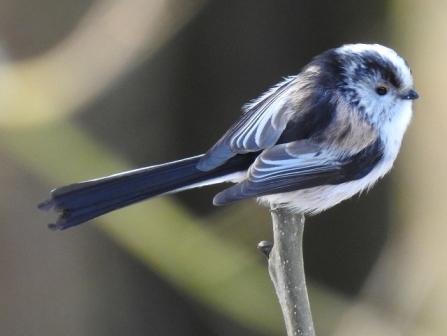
{"x":382,"y":90}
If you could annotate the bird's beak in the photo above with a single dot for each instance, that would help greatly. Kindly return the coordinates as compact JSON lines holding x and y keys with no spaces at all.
{"x":411,"y":95}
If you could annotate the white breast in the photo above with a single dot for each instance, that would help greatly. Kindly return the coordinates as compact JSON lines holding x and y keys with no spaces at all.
{"x":315,"y":200}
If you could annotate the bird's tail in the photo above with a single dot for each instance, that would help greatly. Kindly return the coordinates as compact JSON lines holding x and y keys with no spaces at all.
{"x":80,"y":202}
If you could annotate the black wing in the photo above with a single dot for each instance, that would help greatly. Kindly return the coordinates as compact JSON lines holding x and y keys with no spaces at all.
{"x":300,"y":165}
{"x":259,"y":128}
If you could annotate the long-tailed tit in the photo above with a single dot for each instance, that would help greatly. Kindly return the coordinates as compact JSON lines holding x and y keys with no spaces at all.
{"x":308,"y":143}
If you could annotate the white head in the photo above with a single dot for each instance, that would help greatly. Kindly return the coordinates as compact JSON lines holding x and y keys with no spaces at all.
{"x":377,"y":80}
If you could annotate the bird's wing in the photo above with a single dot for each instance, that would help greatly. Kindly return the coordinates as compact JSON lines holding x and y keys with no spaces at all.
{"x":300,"y":165}
{"x":259,"y":128}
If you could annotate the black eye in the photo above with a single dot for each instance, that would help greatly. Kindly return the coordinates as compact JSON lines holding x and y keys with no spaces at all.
{"x":381,"y":90}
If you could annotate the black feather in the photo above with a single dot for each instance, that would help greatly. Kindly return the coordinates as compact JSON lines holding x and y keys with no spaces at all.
{"x":80,"y":202}
{"x":296,"y":177}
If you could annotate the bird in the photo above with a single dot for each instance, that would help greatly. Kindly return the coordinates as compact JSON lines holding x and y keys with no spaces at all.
{"x":308,"y":143}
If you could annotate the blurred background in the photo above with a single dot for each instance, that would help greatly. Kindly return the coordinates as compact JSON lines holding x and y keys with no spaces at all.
{"x":93,"y":87}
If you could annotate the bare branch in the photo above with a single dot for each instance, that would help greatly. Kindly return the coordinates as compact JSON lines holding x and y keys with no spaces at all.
{"x":286,"y":269}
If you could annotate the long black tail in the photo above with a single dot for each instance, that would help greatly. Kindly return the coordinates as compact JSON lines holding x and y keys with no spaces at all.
{"x":80,"y":202}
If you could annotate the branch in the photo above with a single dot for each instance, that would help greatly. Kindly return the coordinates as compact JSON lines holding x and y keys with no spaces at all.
{"x":287,"y":270}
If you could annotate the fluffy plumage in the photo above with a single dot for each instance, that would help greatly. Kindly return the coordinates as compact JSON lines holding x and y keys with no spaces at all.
{"x":308,"y":143}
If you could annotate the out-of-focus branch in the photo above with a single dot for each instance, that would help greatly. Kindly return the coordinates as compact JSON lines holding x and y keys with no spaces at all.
{"x":113,"y":37}
{"x":286,"y":269}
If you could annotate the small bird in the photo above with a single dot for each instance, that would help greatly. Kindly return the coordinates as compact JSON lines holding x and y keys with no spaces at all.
{"x":308,"y":143}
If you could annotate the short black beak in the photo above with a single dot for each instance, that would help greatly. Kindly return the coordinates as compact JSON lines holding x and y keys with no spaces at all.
{"x":411,"y":95}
